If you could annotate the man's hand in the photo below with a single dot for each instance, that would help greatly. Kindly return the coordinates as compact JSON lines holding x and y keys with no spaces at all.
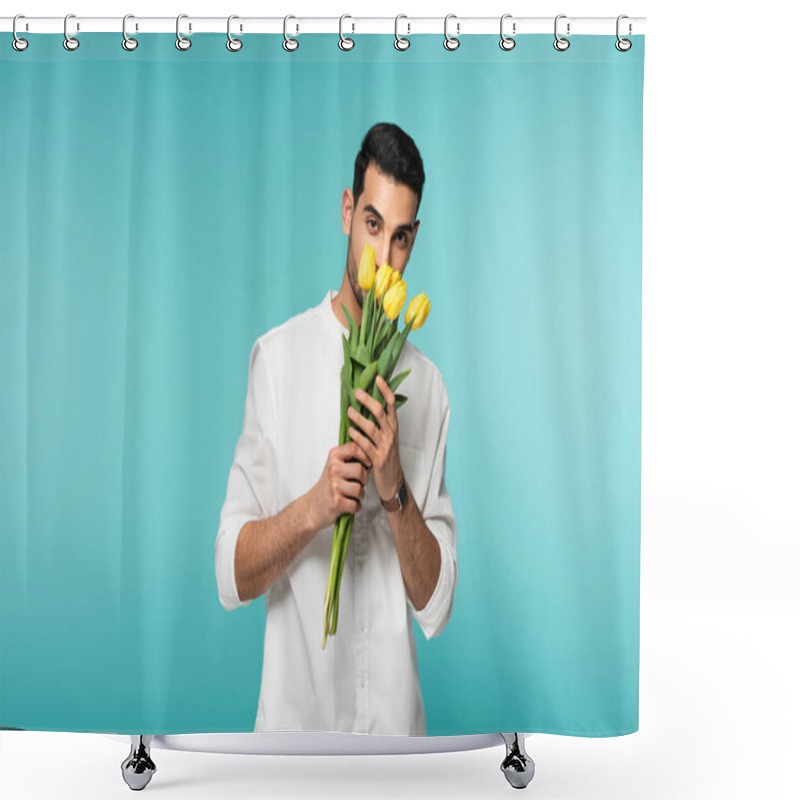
{"x":340,"y":488}
{"x":379,"y":439}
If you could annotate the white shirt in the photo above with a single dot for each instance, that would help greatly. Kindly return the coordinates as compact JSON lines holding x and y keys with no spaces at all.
{"x":366,"y":680}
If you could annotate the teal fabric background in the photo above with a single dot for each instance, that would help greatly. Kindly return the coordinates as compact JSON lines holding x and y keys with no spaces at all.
{"x":161,"y":209}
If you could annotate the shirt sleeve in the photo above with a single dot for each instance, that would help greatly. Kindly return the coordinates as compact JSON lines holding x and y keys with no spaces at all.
{"x":438,"y":515}
{"x":252,"y":482}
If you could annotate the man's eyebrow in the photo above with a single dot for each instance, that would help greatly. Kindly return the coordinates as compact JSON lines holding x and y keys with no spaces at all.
{"x":406,"y":226}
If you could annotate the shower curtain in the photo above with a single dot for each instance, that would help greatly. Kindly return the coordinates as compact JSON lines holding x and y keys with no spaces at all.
{"x":173,"y":222}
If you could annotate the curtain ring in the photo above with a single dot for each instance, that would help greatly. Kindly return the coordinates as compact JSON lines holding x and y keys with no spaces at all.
{"x":128,"y":42}
{"x":18,"y":43}
{"x":451,"y":42}
{"x":70,"y":42}
{"x":623,"y":44}
{"x":400,"y":42}
{"x":345,"y":42}
{"x":181,"y":42}
{"x":507,"y":42}
{"x":289,"y":42}
{"x":233,"y":44}
{"x":561,"y":43}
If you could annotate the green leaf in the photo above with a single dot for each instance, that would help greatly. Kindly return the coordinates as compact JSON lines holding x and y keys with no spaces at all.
{"x":347,"y":367}
{"x":353,"y":326}
{"x":398,"y":379}
{"x":385,"y":360}
{"x":366,"y":314}
{"x":351,"y":399}
{"x":382,"y":327}
{"x":367,"y":376}
{"x":397,"y":346}
{"x":342,"y":411}
{"x":386,"y":334}
{"x":361,"y":355}
{"x":399,"y":399}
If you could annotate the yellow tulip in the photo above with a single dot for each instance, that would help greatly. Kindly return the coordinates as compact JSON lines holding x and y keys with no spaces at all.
{"x":366,"y":269}
{"x":418,"y":310}
{"x":394,"y":299}
{"x":383,"y":280}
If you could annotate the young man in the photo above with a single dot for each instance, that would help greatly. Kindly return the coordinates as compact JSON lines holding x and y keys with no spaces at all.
{"x":288,"y":485}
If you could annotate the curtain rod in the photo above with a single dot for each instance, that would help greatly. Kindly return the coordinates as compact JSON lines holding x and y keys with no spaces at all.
{"x":512,"y":26}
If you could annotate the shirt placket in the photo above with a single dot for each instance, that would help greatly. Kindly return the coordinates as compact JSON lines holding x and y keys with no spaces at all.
{"x":361,"y":527}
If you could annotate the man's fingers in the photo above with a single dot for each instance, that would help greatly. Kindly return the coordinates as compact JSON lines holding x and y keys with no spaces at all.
{"x":356,"y":451}
{"x":353,"y":489}
{"x":356,"y":471}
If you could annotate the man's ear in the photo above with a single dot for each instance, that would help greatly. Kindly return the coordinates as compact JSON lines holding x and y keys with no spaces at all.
{"x":347,"y":210}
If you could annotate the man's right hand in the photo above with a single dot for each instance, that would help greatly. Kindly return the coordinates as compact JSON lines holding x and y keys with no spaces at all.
{"x":341,"y":487}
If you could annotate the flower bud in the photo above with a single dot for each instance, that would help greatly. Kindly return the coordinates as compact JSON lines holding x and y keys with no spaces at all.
{"x":394,"y":299}
{"x":366,"y":269}
{"x":383,"y":280}
{"x":418,"y":310}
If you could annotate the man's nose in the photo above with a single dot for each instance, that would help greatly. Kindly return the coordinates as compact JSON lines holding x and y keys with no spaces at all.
{"x":383,"y":253}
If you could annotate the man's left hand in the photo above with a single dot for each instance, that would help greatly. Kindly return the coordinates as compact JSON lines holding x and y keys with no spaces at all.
{"x":379,"y":439}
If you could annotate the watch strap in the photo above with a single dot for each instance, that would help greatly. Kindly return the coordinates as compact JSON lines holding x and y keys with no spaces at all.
{"x":399,"y":499}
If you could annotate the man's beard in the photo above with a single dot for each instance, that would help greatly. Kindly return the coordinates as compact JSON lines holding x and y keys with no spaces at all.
{"x":354,"y":284}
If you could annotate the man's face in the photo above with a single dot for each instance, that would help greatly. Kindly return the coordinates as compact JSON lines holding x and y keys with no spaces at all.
{"x":383,"y":218}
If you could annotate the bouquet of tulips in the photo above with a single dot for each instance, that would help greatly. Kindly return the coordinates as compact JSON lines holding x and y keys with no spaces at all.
{"x":372,"y":348}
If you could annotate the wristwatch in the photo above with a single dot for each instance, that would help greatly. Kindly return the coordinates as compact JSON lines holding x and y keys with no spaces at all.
{"x":399,"y":499}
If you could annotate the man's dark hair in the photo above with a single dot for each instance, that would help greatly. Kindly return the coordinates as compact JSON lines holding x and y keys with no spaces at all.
{"x":394,"y":153}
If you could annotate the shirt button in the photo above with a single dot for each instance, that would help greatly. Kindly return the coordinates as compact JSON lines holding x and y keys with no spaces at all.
{"x":363,"y":626}
{"x":363,"y":683}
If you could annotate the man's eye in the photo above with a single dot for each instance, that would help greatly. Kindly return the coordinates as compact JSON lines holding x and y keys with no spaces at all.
{"x":372,"y":222}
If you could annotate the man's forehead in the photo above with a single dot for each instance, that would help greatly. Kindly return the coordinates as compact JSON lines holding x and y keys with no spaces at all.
{"x":387,"y":198}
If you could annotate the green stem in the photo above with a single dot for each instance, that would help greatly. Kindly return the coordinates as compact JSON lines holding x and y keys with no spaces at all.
{"x":341,"y":540}
{"x":335,"y":549}
{"x":340,"y":572}
{"x":381,"y":325}
{"x":348,"y":528}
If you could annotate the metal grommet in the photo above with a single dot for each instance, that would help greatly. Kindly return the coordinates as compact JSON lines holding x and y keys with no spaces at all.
{"x":451,"y":42}
{"x":345,"y":42}
{"x":18,"y":43}
{"x":70,"y":42}
{"x":506,"y":42}
{"x":623,"y":45}
{"x":128,"y":42}
{"x":400,"y":42}
{"x":561,"y":43}
{"x":289,"y":43}
{"x":181,"y":42}
{"x":233,"y":44}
